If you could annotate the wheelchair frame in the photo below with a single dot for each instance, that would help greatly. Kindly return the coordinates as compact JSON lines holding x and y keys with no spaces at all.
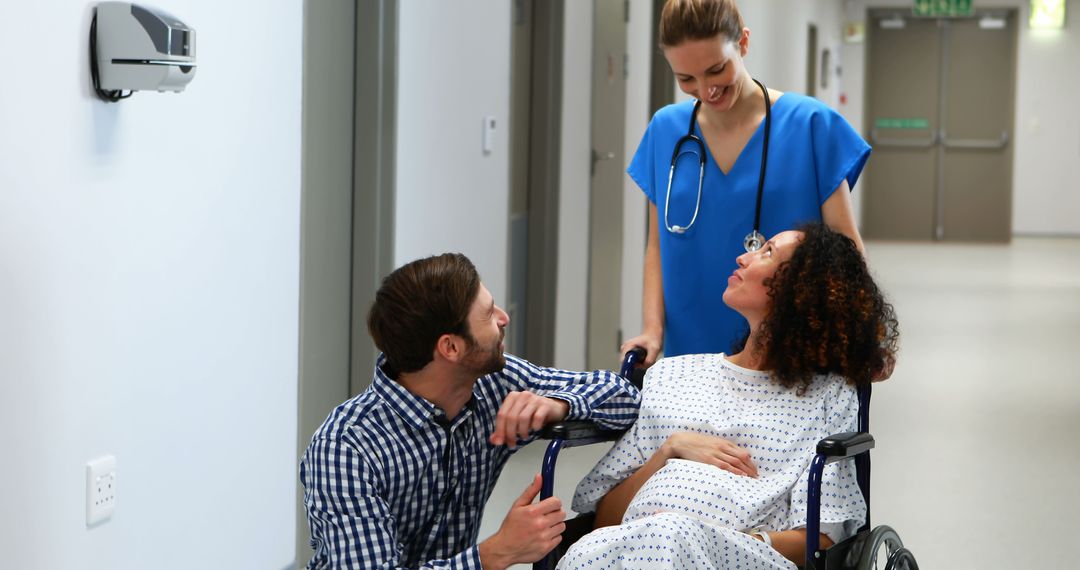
{"x":858,"y":552}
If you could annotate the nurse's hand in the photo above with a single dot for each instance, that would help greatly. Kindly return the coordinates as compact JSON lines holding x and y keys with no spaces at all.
{"x":711,"y":450}
{"x":885,"y":372}
{"x":650,"y":341}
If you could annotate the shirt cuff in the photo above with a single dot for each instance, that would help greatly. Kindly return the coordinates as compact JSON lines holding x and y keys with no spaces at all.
{"x":579,"y":410}
{"x":467,"y":560}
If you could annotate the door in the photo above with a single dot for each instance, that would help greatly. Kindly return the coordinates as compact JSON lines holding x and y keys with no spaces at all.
{"x":536,"y":111}
{"x":811,"y":60}
{"x":940,"y":98}
{"x":605,"y":201}
{"x":903,"y":79}
{"x":521,"y":38}
{"x":977,"y":127}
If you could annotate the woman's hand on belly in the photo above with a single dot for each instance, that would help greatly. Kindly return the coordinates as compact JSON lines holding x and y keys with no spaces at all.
{"x":711,"y":450}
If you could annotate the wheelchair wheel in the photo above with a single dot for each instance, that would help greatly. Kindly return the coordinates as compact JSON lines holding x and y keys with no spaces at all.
{"x":883,"y":550}
{"x":902,"y":559}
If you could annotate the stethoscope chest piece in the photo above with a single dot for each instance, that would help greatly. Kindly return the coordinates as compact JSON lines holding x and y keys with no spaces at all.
{"x":753,"y":241}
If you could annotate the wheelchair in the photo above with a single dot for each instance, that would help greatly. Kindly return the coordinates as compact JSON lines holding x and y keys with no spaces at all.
{"x":878,"y":548}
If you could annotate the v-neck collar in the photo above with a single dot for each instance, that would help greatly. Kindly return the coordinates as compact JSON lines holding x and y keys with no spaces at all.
{"x":759,"y":133}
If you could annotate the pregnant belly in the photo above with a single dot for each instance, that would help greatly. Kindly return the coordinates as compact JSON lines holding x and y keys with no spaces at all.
{"x":711,"y":494}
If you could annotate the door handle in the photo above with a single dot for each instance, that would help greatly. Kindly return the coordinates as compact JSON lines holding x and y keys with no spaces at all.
{"x":905,"y":143}
{"x":597,"y":157}
{"x":986,"y":144}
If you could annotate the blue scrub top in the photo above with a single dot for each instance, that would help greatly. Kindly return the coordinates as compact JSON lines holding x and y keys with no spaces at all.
{"x":812,"y":149}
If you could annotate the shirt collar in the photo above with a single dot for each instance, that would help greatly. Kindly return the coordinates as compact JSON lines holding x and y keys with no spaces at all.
{"x":416,"y":411}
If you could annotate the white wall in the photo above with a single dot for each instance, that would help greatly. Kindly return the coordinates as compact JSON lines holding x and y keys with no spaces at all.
{"x":778,"y":41}
{"x":454,"y":69}
{"x":1046,"y":189}
{"x":148,"y":287}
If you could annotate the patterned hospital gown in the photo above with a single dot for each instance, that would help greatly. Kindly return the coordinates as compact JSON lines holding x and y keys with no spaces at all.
{"x":689,"y":514}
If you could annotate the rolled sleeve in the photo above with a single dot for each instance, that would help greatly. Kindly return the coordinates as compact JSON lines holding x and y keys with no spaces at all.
{"x":579,"y":408}
{"x":604,"y":397}
{"x":467,"y":560}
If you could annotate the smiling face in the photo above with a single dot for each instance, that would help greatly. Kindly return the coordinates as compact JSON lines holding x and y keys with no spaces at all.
{"x":487,"y":327}
{"x":711,"y":70}
{"x":748,"y":289}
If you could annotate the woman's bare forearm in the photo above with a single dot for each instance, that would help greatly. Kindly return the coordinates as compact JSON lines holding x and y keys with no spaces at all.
{"x":792,"y":543}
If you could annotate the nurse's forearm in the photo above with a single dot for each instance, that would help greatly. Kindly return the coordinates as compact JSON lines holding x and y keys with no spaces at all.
{"x":652,"y":307}
{"x":838,"y":213}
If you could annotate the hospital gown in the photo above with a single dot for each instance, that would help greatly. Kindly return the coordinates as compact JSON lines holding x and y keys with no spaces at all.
{"x":691,"y":515}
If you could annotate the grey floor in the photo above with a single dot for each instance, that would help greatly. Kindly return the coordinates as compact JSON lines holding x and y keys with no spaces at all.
{"x":976,"y":464}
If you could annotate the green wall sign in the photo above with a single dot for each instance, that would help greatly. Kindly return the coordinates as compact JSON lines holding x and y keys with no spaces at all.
{"x":943,"y":8}
{"x":901,"y":124}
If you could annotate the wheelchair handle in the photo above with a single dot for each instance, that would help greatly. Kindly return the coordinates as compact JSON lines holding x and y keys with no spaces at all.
{"x":631,"y":360}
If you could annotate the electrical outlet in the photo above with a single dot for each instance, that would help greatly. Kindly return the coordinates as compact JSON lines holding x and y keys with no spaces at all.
{"x":100,"y":489}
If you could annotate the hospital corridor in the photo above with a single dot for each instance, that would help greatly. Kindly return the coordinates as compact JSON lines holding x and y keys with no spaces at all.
{"x":270,"y":270}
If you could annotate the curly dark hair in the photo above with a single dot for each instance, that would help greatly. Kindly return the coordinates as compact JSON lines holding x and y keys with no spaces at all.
{"x":827,"y":315}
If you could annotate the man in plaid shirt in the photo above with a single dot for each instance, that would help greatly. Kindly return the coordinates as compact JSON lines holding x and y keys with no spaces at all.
{"x":397,"y":477}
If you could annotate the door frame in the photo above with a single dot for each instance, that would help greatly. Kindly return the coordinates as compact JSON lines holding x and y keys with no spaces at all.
{"x":544,"y":139}
{"x":348,"y":147}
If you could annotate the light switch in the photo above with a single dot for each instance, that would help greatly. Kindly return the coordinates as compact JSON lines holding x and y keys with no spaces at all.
{"x":488,"y":138}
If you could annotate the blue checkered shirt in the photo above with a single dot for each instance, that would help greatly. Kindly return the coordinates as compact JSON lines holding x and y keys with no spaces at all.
{"x":390,"y":483}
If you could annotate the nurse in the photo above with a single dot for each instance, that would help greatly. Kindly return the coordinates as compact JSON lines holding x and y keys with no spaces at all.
{"x":738,"y":161}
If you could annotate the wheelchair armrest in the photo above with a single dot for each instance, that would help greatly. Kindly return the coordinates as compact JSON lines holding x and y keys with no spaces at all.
{"x":578,"y":432}
{"x":843,"y":445}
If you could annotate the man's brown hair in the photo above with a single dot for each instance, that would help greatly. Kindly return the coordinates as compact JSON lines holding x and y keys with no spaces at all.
{"x":684,"y":20}
{"x":419,"y":302}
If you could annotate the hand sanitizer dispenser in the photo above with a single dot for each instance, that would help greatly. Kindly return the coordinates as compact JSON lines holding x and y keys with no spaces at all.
{"x":138,"y":48}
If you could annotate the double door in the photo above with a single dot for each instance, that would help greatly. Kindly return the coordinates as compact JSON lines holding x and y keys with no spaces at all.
{"x":940,"y":99}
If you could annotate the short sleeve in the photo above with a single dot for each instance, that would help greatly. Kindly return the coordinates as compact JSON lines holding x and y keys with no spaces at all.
{"x":620,"y":462}
{"x":642,"y":167}
{"x":842,"y":504}
{"x":839,"y":152}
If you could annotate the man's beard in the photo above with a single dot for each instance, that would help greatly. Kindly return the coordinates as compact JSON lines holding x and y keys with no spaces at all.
{"x":484,"y":360}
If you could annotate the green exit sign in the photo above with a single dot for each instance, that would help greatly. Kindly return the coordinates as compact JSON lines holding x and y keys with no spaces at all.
{"x":943,"y":8}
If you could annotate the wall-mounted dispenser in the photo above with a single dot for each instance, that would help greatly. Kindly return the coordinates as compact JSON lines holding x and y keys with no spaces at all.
{"x":138,"y":48}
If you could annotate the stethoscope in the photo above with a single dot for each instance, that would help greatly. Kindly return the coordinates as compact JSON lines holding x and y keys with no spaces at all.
{"x":753,"y":240}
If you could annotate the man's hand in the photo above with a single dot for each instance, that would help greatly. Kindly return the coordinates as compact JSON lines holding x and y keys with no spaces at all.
{"x":711,"y":450}
{"x":527,"y":533}
{"x":523,"y":412}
